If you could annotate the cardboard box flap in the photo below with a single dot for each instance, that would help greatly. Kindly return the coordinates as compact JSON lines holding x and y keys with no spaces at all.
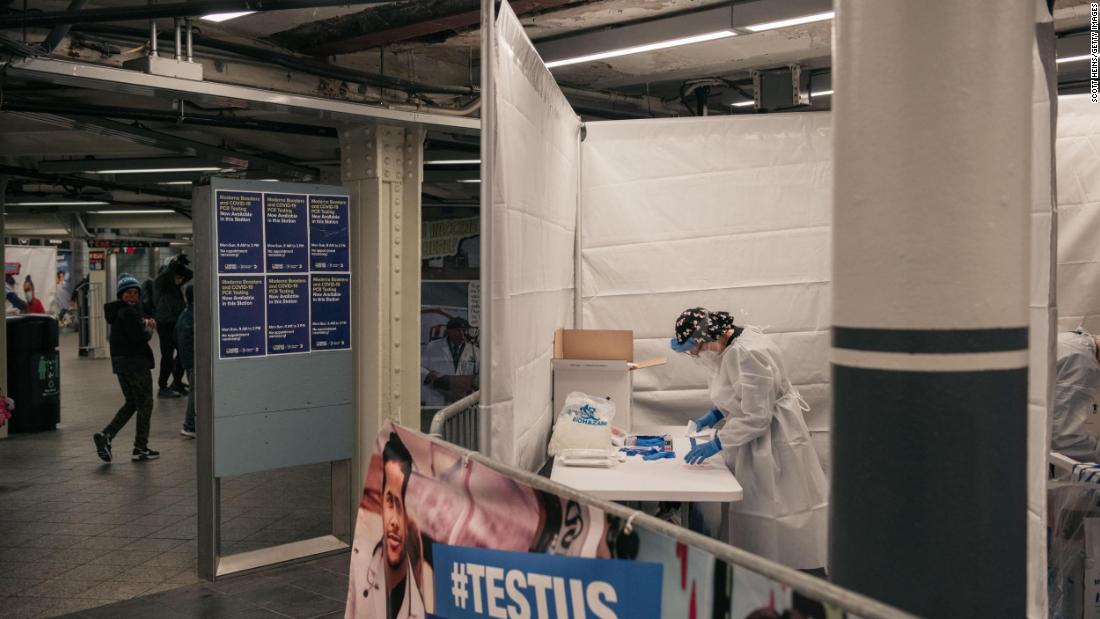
{"x":649,"y":363}
{"x":594,"y":344}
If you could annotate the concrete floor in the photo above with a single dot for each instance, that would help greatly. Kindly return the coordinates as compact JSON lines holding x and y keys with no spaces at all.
{"x":77,"y":533}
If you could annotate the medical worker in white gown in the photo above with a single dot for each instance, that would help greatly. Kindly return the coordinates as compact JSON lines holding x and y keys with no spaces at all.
{"x":1075,"y":394}
{"x":763,"y":439}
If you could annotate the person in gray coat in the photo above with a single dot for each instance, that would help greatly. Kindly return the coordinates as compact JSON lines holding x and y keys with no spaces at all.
{"x":168,"y":297}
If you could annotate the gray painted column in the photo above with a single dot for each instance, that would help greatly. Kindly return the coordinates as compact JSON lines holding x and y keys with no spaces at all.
{"x":79,"y":248}
{"x":932,"y":117}
{"x":382,"y":167}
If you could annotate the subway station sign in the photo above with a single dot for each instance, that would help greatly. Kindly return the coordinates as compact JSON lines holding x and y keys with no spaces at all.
{"x":284,"y":273}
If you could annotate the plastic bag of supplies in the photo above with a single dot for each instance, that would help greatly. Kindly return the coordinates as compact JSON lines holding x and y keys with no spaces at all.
{"x":583,"y":423}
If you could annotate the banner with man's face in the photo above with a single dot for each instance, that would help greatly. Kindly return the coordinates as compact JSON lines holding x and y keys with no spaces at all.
{"x":438,"y":535}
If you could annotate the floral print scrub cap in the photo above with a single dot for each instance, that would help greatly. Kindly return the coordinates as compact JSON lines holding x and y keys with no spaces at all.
{"x":697,"y":325}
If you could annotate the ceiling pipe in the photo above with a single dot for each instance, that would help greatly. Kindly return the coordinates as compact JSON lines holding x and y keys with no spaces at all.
{"x":206,"y":120}
{"x":79,"y":181}
{"x":60,"y":30}
{"x":196,"y":8}
{"x":294,"y":63}
{"x":465,"y":110}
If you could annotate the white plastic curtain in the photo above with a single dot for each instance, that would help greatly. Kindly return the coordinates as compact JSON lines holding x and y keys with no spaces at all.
{"x":728,"y":213}
{"x":1043,"y":310}
{"x":1078,"y":163}
{"x":531,"y":209}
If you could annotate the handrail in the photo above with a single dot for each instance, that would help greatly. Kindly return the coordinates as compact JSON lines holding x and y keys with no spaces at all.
{"x":452,"y":410}
{"x":806,"y":584}
{"x":1064,"y":463}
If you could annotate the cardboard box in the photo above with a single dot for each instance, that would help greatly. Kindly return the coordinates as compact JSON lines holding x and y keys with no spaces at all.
{"x":599,"y":363}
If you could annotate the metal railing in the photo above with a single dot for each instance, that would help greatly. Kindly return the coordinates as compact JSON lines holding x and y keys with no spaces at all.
{"x":458,"y":423}
{"x":810,"y":586}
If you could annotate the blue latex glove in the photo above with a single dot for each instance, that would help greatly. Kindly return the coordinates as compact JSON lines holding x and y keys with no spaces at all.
{"x":712,"y":417}
{"x":638,"y":451}
{"x":704,"y":451}
{"x":659,"y":455}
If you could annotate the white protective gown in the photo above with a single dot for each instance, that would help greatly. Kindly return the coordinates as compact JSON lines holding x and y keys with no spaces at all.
{"x":1078,"y":377}
{"x":437,"y":358}
{"x":765,"y":442}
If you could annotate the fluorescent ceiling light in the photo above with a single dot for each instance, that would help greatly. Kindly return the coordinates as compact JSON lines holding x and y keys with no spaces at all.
{"x":454,"y":162}
{"x":469,"y":180}
{"x":155,"y":170}
{"x":135,"y":212}
{"x":220,"y":17}
{"x":638,"y":49}
{"x":820,"y":93}
{"x":794,"y":21}
{"x":175,"y":183}
{"x":1074,"y":58}
{"x":59,"y":203}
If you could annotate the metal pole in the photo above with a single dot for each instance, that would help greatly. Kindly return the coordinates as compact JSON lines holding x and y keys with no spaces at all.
{"x":153,"y":38}
{"x":488,"y":154}
{"x":190,"y":42}
{"x":208,"y":485}
{"x":179,"y":43}
{"x":930,"y":304}
{"x":811,"y":586}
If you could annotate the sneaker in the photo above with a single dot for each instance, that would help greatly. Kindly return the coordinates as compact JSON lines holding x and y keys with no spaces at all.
{"x":187,"y":433}
{"x":181,"y":388}
{"x":102,"y":446}
{"x":145,"y":454}
{"x":166,"y":392}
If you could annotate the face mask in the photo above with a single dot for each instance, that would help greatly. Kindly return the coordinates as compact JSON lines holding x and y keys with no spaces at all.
{"x":30,"y":296}
{"x":709,"y":359}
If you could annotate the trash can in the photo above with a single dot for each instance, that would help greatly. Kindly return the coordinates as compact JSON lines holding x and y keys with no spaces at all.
{"x":34,"y":373}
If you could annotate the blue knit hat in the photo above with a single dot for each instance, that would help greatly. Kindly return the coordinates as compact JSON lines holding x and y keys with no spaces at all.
{"x":126,"y":282}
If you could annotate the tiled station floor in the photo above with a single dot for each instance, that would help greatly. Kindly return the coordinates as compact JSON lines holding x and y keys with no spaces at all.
{"x":76,"y":533}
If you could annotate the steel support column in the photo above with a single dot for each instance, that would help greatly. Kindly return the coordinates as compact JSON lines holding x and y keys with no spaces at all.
{"x":932,"y":117}
{"x":4,"y":331}
{"x":382,"y":167}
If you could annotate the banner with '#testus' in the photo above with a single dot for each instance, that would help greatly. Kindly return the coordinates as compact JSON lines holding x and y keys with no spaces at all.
{"x":477,"y":582}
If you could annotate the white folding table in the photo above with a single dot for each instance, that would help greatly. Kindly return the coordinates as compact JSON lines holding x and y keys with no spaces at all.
{"x":660,"y":480}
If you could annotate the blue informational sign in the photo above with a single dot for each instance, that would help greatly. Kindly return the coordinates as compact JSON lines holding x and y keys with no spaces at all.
{"x":241,"y":308}
{"x":328,"y":233}
{"x":287,"y":314}
{"x":240,"y":231}
{"x":331,"y":312}
{"x":286,"y":222}
{"x":477,"y":583}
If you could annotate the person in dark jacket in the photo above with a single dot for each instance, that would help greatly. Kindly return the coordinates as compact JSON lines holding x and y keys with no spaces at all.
{"x":168,"y":297}
{"x":185,"y":341}
{"x":132,"y":361}
{"x":148,"y":307}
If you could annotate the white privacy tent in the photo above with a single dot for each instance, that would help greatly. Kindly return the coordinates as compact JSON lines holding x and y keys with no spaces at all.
{"x":1078,"y":163}
{"x":530,"y":153}
{"x":623,"y":224}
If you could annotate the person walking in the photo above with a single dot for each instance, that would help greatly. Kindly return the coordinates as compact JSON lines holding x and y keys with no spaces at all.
{"x":169,"y":304}
{"x":185,"y":342}
{"x":132,"y":361}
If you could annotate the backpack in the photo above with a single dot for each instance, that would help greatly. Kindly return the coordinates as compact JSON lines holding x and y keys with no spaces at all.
{"x":148,"y":300}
